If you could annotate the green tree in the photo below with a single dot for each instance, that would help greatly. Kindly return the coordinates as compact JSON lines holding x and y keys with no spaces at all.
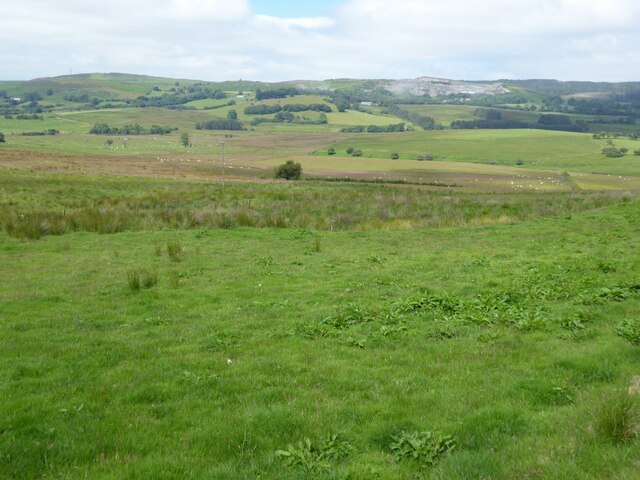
{"x":289,"y":170}
{"x":2,"y":137}
{"x":331,"y":151}
{"x":185,"y":141}
{"x":232,"y":115}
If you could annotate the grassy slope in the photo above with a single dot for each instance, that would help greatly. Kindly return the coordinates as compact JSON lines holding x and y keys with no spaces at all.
{"x":536,"y":148}
{"x":103,"y":382}
{"x":445,"y":114}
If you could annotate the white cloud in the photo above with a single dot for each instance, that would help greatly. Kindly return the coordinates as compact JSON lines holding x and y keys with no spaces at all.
{"x":217,"y":10}
{"x":225,"y":39}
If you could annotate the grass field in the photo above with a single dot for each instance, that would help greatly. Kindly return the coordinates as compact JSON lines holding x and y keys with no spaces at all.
{"x":178,"y":349}
{"x":445,"y":114}
{"x":534,"y":148}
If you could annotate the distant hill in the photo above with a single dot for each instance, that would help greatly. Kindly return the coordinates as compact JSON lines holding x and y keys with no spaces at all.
{"x":122,"y":86}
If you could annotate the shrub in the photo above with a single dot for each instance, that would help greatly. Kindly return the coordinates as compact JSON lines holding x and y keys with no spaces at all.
{"x":612,"y":152}
{"x":289,"y":170}
{"x":2,"y":137}
{"x":350,"y":150}
{"x":636,"y":152}
{"x":356,"y":153}
{"x":395,"y":156}
{"x":331,"y":151}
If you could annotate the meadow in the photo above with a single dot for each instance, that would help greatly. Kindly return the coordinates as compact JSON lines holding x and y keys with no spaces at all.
{"x":467,"y":310}
{"x":475,"y":348}
{"x":538,"y":149}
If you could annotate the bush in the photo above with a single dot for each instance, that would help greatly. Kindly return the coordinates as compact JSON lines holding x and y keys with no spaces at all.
{"x":331,"y":151}
{"x":2,"y":137}
{"x":289,"y":170}
{"x":350,"y":150}
{"x":356,"y":153}
{"x":395,"y":156}
{"x":636,"y":152}
{"x":612,"y":152}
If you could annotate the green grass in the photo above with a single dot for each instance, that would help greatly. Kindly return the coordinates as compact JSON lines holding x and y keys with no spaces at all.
{"x":537,"y":149}
{"x":257,"y":339}
{"x":353,"y":117}
{"x":36,"y":205}
{"x":444,"y":114}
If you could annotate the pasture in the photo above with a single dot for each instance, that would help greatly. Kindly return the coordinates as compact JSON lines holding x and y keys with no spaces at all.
{"x":473,"y":314}
{"x":537,"y":149}
{"x":196,"y":332}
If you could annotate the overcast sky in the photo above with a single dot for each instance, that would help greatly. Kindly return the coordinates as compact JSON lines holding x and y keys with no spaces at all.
{"x":273,"y":40}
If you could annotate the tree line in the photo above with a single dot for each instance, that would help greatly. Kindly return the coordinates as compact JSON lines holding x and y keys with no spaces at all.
{"x":396,"y":127}
{"x":130,"y":129}
{"x":220,"y":124}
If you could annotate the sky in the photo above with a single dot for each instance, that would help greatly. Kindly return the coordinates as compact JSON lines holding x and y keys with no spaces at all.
{"x":276,"y":40}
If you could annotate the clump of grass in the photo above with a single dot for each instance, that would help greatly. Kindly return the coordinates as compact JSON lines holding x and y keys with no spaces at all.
{"x":175,"y":251}
{"x":174,"y":280}
{"x":316,"y":244}
{"x":139,"y":279}
{"x":315,"y":457}
{"x":618,"y":420}
{"x":427,"y":448}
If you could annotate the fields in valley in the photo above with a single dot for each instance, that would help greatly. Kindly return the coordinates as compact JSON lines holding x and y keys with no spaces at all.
{"x":157,"y":325}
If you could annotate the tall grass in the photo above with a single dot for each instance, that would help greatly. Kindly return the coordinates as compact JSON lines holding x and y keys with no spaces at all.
{"x":149,"y":205}
{"x":618,"y":420}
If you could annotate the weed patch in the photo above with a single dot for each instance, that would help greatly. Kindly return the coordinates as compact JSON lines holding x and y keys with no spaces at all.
{"x":601,"y":296}
{"x":315,"y":457}
{"x":426,"y":448}
{"x":630,"y":330}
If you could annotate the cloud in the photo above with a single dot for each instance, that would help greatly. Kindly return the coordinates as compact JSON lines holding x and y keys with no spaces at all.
{"x":226,"y":39}
{"x":207,"y":10}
